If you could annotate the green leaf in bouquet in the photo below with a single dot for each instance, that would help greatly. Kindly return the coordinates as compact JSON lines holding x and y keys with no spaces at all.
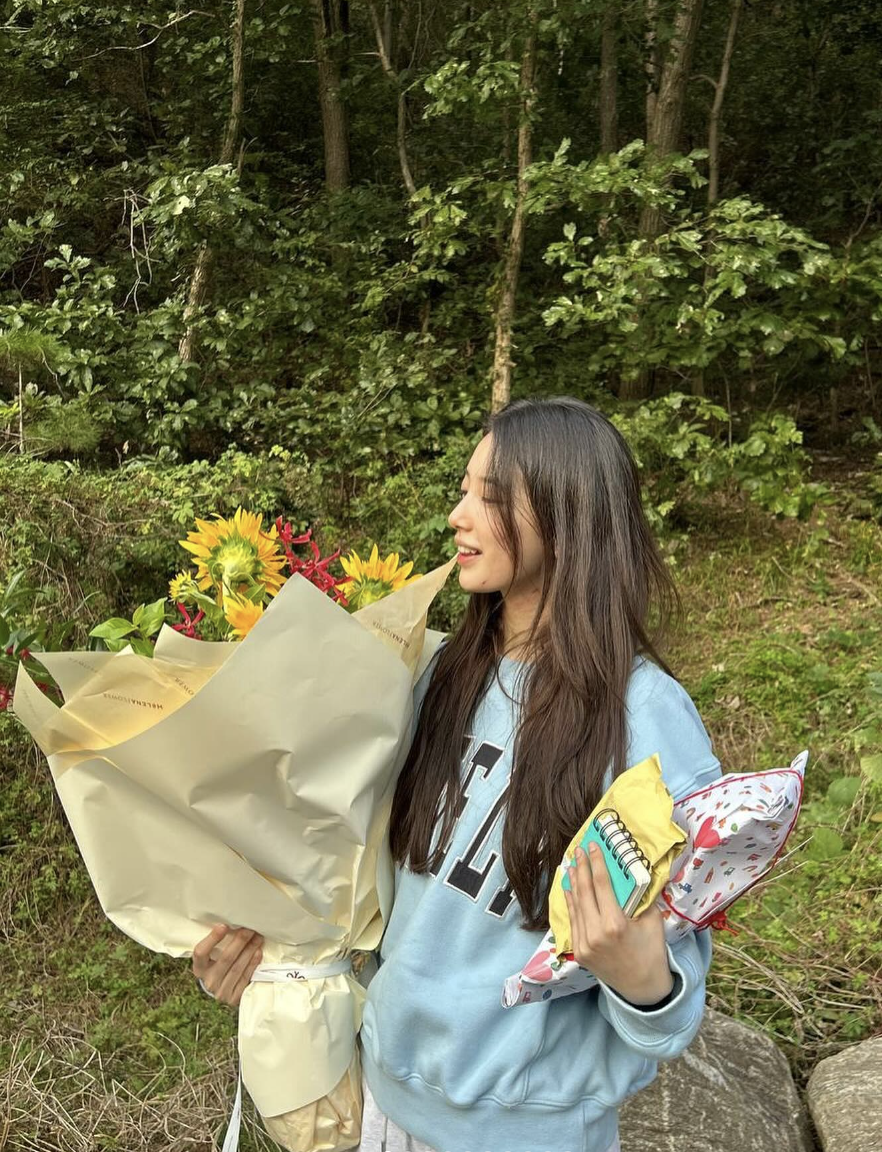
{"x":149,"y":618}
{"x":113,"y":629}
{"x":825,"y":844}
{"x":141,"y":646}
{"x":210,"y":607}
{"x":115,"y":644}
{"x":843,"y":790}
{"x":20,"y":638}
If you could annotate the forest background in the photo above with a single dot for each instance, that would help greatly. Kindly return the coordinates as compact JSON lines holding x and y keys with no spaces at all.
{"x":287,"y":255}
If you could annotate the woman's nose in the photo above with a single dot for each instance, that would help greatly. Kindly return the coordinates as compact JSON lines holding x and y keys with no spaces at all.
{"x":456,"y":518}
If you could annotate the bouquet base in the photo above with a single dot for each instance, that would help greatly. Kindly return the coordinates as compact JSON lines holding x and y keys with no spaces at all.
{"x":327,"y":1125}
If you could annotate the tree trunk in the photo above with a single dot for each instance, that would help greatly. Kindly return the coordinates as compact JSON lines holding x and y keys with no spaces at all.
{"x":664,"y":117}
{"x":663,"y":130}
{"x":500,"y":238}
{"x":505,"y":309}
{"x":650,"y":60}
{"x":713,"y":134}
{"x":330,"y":20}
{"x":383,"y":37}
{"x":697,"y":380}
{"x":609,"y":43}
{"x":201,"y":277}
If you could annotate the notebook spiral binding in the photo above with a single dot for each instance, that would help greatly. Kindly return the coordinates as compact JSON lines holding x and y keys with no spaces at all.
{"x":621,"y":843}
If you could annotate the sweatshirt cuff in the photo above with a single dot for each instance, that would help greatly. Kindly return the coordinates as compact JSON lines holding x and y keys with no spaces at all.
{"x":664,"y":1002}
{"x":653,"y":1028}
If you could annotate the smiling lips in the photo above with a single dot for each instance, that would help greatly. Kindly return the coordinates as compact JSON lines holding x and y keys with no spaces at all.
{"x":466,"y":555}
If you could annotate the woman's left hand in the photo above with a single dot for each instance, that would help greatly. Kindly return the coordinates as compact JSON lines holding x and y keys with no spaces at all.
{"x":626,"y":953}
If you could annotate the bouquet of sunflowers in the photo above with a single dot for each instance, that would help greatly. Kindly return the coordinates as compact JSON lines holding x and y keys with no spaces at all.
{"x":251,"y":783}
{"x":239,"y":568}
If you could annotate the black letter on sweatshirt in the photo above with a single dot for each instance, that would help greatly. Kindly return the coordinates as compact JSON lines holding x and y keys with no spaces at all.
{"x":484,"y":758}
{"x":462,"y":875}
{"x":498,"y":906}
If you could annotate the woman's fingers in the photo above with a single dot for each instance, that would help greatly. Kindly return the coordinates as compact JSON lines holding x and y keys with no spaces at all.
{"x":577,"y":931}
{"x":225,"y":959}
{"x":596,"y":919}
{"x":584,"y":887}
{"x":608,"y":907}
{"x":202,"y":952}
{"x":239,"y":972}
{"x":245,"y":979}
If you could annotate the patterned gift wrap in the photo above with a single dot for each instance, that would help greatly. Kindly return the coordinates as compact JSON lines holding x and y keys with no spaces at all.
{"x":736,"y":827}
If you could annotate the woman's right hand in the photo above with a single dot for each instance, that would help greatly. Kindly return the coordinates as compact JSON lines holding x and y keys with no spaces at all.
{"x":224,"y":961}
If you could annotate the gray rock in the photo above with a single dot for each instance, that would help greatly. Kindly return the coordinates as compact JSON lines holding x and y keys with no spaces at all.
{"x":844,"y":1095}
{"x":731,"y":1091}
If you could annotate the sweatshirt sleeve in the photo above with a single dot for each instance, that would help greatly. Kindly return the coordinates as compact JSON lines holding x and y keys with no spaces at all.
{"x":663,"y":1033}
{"x":663,"y":719}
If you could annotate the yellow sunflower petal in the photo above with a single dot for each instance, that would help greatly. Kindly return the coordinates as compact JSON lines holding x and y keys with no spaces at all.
{"x":198,"y":549}
{"x":387,"y":567}
{"x":247,"y":524}
{"x":241,"y":614}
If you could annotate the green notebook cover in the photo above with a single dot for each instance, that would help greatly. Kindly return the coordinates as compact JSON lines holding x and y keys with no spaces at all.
{"x":628,"y":874}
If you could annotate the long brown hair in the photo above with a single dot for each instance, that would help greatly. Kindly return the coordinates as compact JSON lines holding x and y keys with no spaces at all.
{"x":608,"y":595}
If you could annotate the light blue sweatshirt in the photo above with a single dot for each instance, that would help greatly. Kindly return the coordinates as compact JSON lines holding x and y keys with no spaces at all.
{"x":442,"y":1057}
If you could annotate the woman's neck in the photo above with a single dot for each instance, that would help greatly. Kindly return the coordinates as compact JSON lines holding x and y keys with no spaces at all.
{"x":518,"y":614}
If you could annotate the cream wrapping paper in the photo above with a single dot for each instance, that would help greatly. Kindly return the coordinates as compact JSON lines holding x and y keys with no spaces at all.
{"x":251,"y":784}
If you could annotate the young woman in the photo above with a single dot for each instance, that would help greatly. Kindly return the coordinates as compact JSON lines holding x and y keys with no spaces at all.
{"x":550,"y":687}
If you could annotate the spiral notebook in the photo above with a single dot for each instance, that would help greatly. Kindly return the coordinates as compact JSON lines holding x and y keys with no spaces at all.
{"x":628,"y":866}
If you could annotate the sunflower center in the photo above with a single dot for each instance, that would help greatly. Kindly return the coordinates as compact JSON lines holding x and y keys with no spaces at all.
{"x":235,"y":561}
{"x":367,"y":591}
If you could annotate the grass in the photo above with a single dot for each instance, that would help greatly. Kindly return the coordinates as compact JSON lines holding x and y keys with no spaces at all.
{"x":106,"y":1046}
{"x":782,"y":632}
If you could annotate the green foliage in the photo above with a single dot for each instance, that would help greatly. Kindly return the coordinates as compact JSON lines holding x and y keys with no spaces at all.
{"x":679,"y":445}
{"x":94,"y":544}
{"x":342,"y":353}
{"x":776,"y":663}
{"x":138,"y":633}
{"x":734,"y":287}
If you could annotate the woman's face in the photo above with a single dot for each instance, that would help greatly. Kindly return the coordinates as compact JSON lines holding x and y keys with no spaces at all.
{"x":474,"y":520}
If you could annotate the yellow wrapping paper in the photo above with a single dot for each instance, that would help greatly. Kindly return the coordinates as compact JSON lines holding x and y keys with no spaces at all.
{"x":645,"y":806}
{"x":251,"y":784}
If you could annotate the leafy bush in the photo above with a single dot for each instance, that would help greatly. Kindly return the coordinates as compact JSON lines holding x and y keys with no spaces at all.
{"x":679,"y":445}
{"x":95,"y":542}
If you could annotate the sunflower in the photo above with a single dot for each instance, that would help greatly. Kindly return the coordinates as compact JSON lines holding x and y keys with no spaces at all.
{"x":371,"y":580}
{"x":235,"y":555}
{"x":241,"y":614}
{"x":181,"y":588}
